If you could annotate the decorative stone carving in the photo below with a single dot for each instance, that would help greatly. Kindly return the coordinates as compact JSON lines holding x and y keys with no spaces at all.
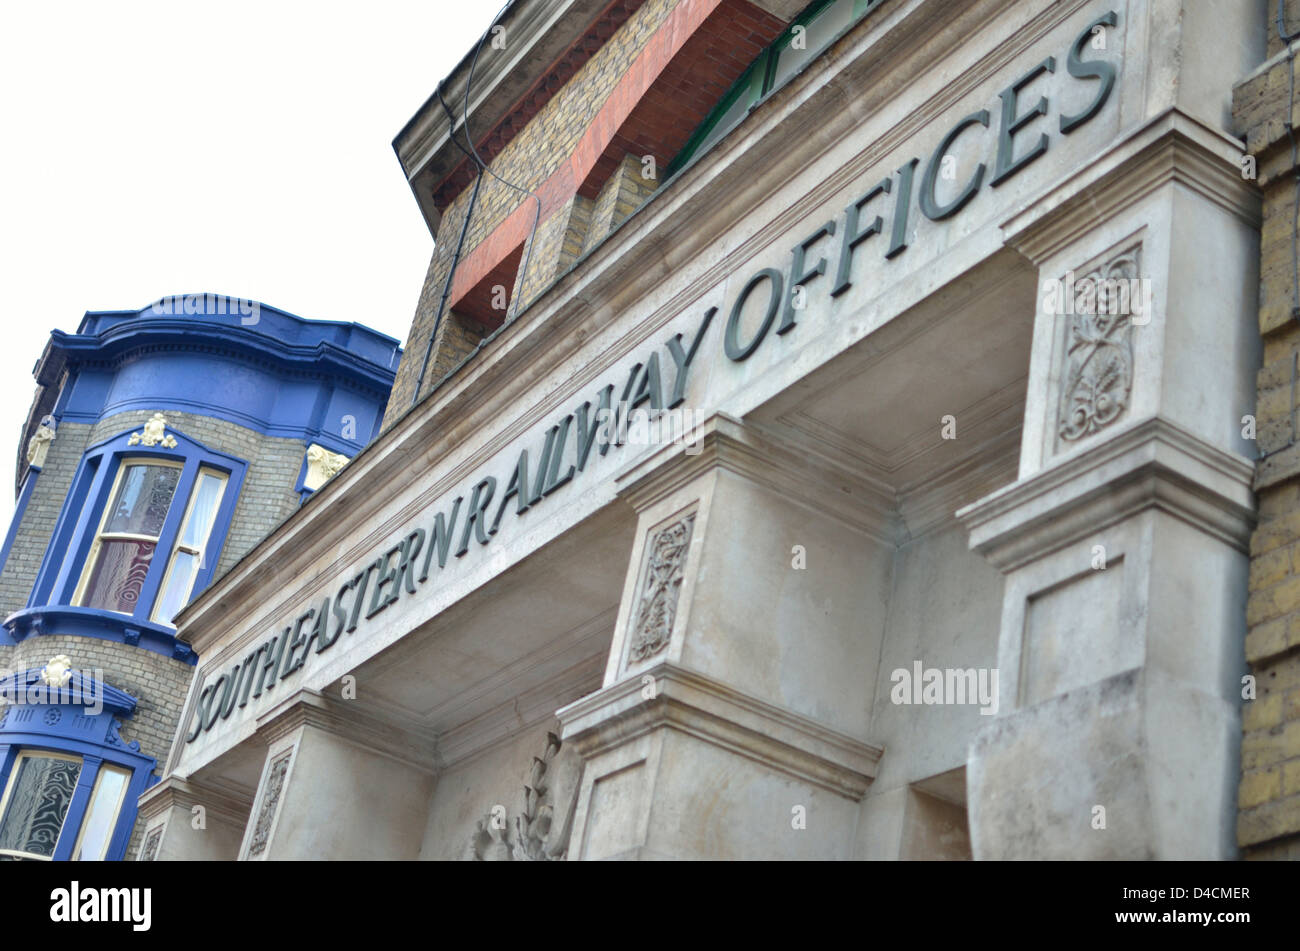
{"x":39,"y":444}
{"x":154,"y":434}
{"x":322,"y":465}
{"x":535,"y":836}
{"x":656,"y":610}
{"x":270,"y":803}
{"x":58,"y":671}
{"x":1099,"y":349}
{"x":150,"y":851}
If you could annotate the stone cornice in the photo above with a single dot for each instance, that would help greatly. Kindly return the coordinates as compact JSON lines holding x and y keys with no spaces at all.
{"x":1172,"y":147}
{"x":227,"y":805}
{"x":726,"y":442}
{"x":406,"y":743}
{"x":716,"y":713}
{"x":1148,"y":464}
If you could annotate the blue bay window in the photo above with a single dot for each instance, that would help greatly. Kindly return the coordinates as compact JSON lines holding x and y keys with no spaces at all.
{"x":68,"y":781}
{"x":139,"y":536}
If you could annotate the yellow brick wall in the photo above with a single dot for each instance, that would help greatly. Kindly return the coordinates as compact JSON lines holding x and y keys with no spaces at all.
{"x":1268,"y":798}
{"x":527,"y":160}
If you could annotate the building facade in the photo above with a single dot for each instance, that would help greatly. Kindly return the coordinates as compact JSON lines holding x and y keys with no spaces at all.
{"x":160,"y":447}
{"x":821,"y":435}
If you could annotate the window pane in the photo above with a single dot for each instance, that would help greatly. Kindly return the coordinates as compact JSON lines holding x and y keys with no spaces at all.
{"x":118,"y":575}
{"x":39,"y":795}
{"x":101,"y":817}
{"x":207,"y":496}
{"x":142,"y":500}
{"x":734,"y":113}
{"x":176,"y":593}
{"x":823,"y":28}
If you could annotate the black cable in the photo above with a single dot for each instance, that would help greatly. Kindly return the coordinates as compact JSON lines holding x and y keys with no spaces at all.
{"x":472,"y":154}
{"x":537,"y":214}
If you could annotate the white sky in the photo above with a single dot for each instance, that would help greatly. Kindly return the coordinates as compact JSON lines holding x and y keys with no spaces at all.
{"x":240,"y":148}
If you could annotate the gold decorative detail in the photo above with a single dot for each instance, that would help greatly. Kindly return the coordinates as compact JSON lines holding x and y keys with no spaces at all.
{"x":322,"y":465}
{"x":154,"y":434}
{"x":39,"y":444}
{"x":58,"y":671}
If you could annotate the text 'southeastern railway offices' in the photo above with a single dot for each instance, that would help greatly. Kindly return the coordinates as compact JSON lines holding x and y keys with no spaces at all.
{"x":820,"y":435}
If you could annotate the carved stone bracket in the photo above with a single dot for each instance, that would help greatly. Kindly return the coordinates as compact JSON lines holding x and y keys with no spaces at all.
{"x":665,"y":561}
{"x":322,"y":465}
{"x":1098,"y":375}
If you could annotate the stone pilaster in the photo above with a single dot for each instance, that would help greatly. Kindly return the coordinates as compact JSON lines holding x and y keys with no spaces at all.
{"x":1124,"y":541}
{"x":191,"y":820}
{"x":734,"y":715}
{"x":337,"y":783}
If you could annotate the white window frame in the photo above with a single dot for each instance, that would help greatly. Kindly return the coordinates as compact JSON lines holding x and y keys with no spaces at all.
{"x":92,"y":557}
{"x":14,"y":772}
{"x":180,"y":545}
{"x":90,"y":805}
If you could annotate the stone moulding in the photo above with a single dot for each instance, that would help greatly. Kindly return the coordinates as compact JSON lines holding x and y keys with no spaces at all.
{"x":225,"y":803}
{"x":1148,"y":464}
{"x":149,"y":851}
{"x":709,"y":710}
{"x":404,"y":740}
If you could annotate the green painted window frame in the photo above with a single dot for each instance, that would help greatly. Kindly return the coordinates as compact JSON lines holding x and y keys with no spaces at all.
{"x":756,"y":81}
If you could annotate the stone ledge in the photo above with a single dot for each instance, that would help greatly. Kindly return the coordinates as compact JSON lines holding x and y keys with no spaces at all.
{"x":1149,"y":464}
{"x":716,"y":713}
{"x":404,"y":743}
{"x":227,"y":805}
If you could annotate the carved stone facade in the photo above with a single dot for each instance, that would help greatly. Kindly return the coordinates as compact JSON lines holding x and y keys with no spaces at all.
{"x":270,"y":803}
{"x":150,"y":851}
{"x":661,"y":588}
{"x":536,"y":835}
{"x":823,"y":629}
{"x":1098,"y":375}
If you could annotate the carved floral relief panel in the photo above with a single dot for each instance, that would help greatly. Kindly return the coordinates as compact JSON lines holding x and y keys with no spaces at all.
{"x":1102,"y":307}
